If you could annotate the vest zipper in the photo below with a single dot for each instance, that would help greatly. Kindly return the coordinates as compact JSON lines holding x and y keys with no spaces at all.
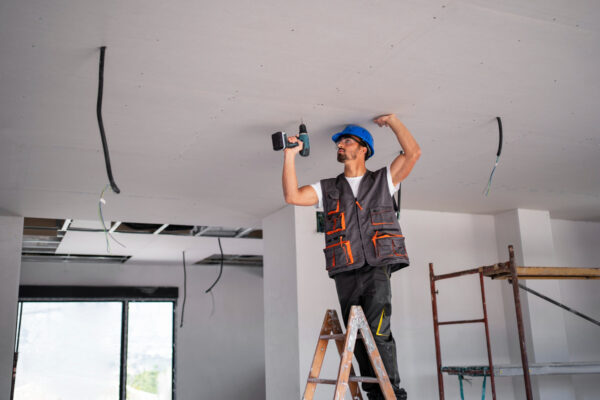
{"x":362,"y":246}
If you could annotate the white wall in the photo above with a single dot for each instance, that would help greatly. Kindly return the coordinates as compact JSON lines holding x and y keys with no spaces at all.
{"x":220,"y":351}
{"x":454,"y":241}
{"x":546,"y":338}
{"x":281,"y":306}
{"x":11,"y":237}
{"x":576,"y":244}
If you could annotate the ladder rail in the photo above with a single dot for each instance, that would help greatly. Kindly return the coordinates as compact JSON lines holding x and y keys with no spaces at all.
{"x":315,"y":368}
{"x":346,"y":362}
{"x":358,"y":328}
{"x":331,"y":329}
{"x":375,"y":356}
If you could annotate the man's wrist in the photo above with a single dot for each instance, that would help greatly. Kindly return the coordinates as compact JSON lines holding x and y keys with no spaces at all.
{"x":289,"y":155}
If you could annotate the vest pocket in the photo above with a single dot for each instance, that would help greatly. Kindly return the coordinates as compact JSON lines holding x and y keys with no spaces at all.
{"x":338,"y":254}
{"x":335,"y":223}
{"x":389,"y":245}
{"x":383,"y":216}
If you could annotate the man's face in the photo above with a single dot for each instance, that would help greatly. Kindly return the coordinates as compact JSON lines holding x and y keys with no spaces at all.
{"x":348,"y":148}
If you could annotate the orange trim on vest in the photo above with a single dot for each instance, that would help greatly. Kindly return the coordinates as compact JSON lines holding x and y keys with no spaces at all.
{"x":380,"y":223}
{"x":347,"y":249}
{"x":343,"y":225}
{"x":388,"y":235}
{"x":336,"y":210}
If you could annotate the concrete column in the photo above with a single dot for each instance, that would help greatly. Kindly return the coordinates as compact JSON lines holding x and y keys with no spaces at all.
{"x":297,"y":291}
{"x":531,"y":234}
{"x":281,"y":306}
{"x":11,"y":237}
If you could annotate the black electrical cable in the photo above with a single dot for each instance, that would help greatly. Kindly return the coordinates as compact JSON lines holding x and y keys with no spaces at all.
{"x":184,"y":290}
{"x":220,"y":270}
{"x":487,"y":190}
{"x":113,"y":185}
{"x":500,"y":138}
{"x":397,"y":202}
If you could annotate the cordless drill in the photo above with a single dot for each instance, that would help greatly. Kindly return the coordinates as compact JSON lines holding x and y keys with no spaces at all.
{"x":280,"y":141}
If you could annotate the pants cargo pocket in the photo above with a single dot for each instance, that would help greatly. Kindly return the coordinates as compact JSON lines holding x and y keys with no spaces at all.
{"x":383,"y":325}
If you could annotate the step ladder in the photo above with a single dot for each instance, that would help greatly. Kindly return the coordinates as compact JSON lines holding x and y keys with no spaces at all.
{"x":358,"y":328}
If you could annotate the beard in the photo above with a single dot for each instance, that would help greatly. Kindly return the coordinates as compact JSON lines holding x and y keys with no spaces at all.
{"x":344,"y":156}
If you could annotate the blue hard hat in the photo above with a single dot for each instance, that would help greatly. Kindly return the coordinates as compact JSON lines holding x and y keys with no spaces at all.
{"x":359,"y":132}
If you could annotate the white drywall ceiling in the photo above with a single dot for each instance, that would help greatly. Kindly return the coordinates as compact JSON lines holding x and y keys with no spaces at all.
{"x":193,"y":91}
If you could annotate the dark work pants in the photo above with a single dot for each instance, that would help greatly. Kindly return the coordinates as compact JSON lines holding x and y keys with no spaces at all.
{"x":369,"y":287}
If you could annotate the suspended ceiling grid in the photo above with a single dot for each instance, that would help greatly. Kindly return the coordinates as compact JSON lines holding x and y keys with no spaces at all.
{"x":51,"y":240}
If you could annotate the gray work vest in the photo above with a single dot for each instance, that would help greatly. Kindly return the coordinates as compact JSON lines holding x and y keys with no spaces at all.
{"x":362,"y":230}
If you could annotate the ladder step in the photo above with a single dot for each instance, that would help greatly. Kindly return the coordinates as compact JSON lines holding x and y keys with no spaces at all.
{"x":338,"y":336}
{"x":365,"y":379}
{"x":466,"y":321}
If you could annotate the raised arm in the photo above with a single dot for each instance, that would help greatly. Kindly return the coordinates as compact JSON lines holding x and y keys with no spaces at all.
{"x":304,"y":196}
{"x":404,"y":163}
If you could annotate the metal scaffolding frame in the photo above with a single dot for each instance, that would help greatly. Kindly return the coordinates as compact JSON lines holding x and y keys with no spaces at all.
{"x":509,"y":270}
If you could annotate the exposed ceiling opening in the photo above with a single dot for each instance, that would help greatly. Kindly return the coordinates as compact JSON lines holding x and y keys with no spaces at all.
{"x":233,"y":259}
{"x":74,"y":258}
{"x":42,"y":235}
{"x":42,"y":238}
{"x":167,"y":229}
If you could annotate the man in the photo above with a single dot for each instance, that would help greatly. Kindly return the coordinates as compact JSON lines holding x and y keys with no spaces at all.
{"x":363,"y":239}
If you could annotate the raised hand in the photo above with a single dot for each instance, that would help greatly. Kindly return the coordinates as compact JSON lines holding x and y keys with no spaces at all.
{"x":384,"y":120}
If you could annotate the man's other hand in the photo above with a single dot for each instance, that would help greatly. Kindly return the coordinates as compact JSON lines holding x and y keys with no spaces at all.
{"x":384,"y":120}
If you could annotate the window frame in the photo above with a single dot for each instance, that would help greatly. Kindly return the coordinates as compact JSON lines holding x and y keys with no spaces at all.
{"x":121,"y":294}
